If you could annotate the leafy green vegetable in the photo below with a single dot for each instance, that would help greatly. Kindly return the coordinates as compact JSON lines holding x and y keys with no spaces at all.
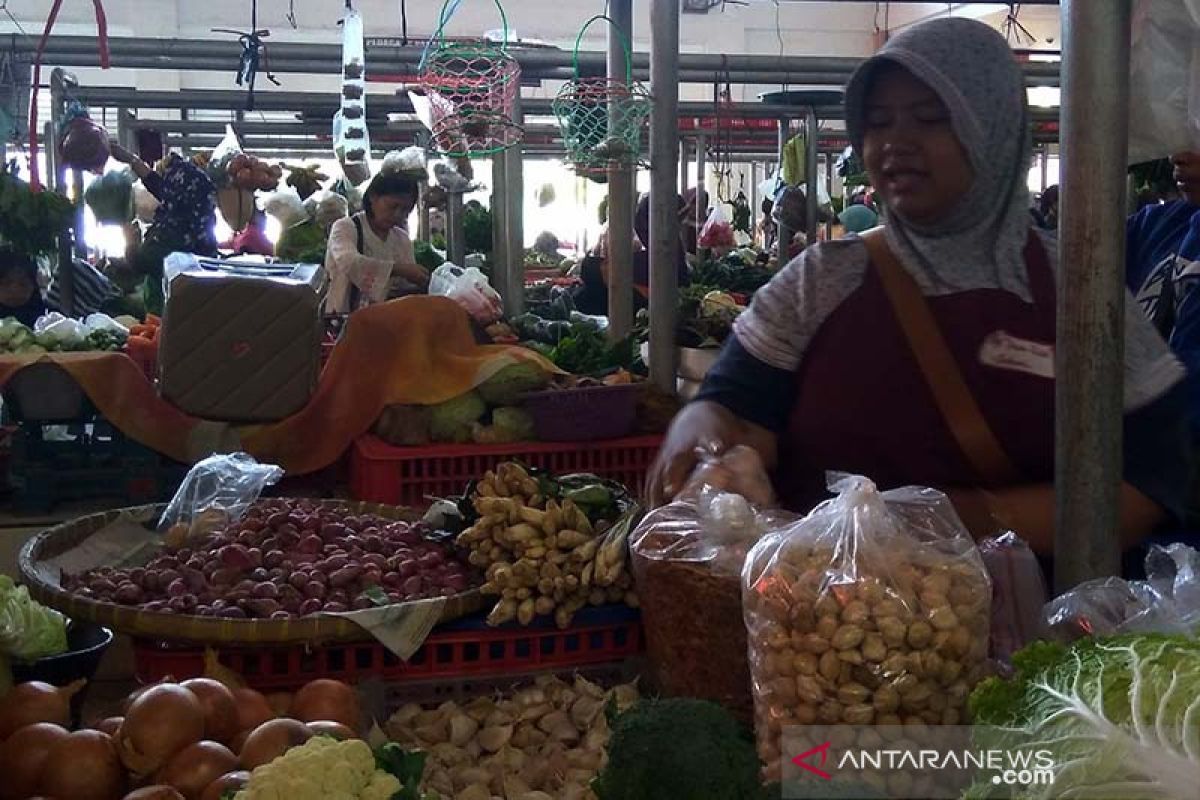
{"x":731,"y":274}
{"x":1120,"y":715}
{"x":302,"y":244}
{"x":407,"y":767}
{"x":506,"y":386}
{"x":28,"y":630}
{"x":30,"y":222}
{"x":477,"y":228}
{"x":111,"y":197}
{"x":587,"y":351}
{"x":427,"y":256}
{"x":451,"y":421}
{"x":514,"y":422}
{"x":682,"y":749}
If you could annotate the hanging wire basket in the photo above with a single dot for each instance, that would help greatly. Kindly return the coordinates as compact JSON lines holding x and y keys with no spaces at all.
{"x":472,"y":89}
{"x":602,"y":119}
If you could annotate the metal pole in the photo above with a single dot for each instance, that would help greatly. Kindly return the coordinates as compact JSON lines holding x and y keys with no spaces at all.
{"x":783,"y":234}
{"x":1091,"y":299}
{"x":1045,"y":164}
{"x":621,"y":189}
{"x":829,"y":191}
{"x":499,"y":221}
{"x":701,"y":182}
{"x":810,"y":174}
{"x":664,"y":205}
{"x":513,"y":191}
{"x":684,"y":160}
{"x":456,"y":244}
{"x":423,"y":233}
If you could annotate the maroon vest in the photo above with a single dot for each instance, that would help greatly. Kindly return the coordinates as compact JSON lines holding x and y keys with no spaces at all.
{"x":864,"y":407}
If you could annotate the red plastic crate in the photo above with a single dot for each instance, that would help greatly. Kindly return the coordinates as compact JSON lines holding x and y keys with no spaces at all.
{"x":613,"y":634}
{"x":409,"y":476}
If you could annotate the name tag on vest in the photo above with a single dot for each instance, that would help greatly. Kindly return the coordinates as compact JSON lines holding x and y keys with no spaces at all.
{"x":1001,"y":350}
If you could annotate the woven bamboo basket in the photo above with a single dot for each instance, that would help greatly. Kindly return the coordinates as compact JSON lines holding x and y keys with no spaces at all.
{"x":46,"y":586}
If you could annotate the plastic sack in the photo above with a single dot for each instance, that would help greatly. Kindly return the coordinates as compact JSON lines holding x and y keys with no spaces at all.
{"x":216,"y":491}
{"x":145,"y":204}
{"x":329,"y":208}
{"x":470,"y":289}
{"x":717,"y":232}
{"x":688,"y":555}
{"x":110,"y":197}
{"x":873,"y":609}
{"x":410,"y":160}
{"x":222,"y":156}
{"x":1168,"y":601}
{"x":1164,"y":76}
{"x":451,"y":179}
{"x":55,"y":329}
{"x":351,"y":140}
{"x":1018,"y":594}
{"x":286,"y":206}
{"x":103,"y":322}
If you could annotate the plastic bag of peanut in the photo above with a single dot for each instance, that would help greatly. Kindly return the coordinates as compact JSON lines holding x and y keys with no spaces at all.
{"x":872,"y":610}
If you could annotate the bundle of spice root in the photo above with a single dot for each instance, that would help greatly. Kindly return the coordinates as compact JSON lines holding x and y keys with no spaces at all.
{"x":542,"y":552}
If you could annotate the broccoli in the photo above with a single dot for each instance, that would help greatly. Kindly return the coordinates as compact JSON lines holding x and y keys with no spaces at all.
{"x":680,"y":748}
{"x":451,"y":421}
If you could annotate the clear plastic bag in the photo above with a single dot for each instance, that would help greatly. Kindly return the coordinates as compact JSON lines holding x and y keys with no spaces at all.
{"x":1164,"y":73}
{"x":410,"y":160}
{"x":687,"y":556}
{"x":215,"y":492}
{"x":873,"y":609}
{"x":351,"y":139}
{"x":1018,"y":594}
{"x":470,"y":289}
{"x":286,"y":206}
{"x":717,"y":232}
{"x":1168,"y":601}
{"x":222,"y":156}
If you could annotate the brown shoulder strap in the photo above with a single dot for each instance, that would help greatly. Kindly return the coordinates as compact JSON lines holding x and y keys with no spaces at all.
{"x":950,"y":391}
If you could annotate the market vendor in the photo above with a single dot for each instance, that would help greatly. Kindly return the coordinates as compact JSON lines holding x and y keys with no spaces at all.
{"x":19,"y":294}
{"x":821,"y":373}
{"x":185,"y":220}
{"x":370,"y":255}
{"x":596,"y":267}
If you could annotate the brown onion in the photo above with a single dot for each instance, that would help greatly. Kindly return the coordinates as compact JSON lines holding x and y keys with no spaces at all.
{"x":35,"y":701}
{"x":109,"y":725}
{"x":252,"y":709}
{"x":220,"y":709}
{"x":193,"y":768}
{"x":165,"y":719}
{"x":272,"y":739}
{"x":239,"y":741}
{"x":230,"y":781}
{"x":156,"y":792}
{"x":83,"y":766}
{"x":22,"y":757}
{"x":325,"y":727}
{"x":280,"y":703}
{"x":325,"y":699}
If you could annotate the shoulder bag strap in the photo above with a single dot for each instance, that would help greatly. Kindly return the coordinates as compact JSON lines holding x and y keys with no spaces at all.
{"x":954,"y":399}
{"x":355,"y":294}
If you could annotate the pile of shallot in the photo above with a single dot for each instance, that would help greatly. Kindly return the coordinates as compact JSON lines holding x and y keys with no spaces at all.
{"x":286,"y":558}
{"x":193,"y":740}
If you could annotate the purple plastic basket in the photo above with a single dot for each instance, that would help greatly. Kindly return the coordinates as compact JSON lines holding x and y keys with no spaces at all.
{"x":583,"y":415}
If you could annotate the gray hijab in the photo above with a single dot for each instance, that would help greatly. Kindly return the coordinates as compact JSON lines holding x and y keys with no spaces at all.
{"x":981,"y":244}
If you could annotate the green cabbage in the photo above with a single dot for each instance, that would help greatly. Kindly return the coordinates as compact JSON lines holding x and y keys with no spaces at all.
{"x":506,"y":386}
{"x":28,"y":630}
{"x":1120,"y":716}
{"x":111,"y":197}
{"x":451,"y":421}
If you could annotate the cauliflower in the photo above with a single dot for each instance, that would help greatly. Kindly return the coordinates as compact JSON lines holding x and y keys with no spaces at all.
{"x":322,"y":769}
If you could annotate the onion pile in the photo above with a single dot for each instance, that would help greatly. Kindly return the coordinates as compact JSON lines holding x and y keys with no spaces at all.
{"x":176,"y":741}
{"x":286,"y":558}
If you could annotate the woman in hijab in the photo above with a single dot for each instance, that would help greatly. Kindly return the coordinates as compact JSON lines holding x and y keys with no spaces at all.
{"x":825,"y":371}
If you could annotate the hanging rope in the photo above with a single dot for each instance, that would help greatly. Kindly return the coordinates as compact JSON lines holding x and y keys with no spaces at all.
{"x":291,"y":15}
{"x":722,"y":151}
{"x":254,"y":52}
{"x":35,"y":182}
{"x":404,"y":23}
{"x":1013,"y":29}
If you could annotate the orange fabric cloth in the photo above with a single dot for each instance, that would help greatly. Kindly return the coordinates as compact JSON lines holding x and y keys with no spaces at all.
{"x":121,"y":393}
{"x":411,"y":351}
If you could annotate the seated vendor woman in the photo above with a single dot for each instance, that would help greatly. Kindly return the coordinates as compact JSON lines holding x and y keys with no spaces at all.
{"x":826,"y":372}
{"x":370,"y":256}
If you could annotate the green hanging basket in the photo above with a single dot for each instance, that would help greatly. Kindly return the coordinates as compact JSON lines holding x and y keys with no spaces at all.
{"x":472,"y":89}
{"x":602,"y":119}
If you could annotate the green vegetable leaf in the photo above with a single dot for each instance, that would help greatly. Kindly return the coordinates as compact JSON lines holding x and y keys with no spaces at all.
{"x":376,"y":595}
{"x":28,"y":630}
{"x":408,"y":767}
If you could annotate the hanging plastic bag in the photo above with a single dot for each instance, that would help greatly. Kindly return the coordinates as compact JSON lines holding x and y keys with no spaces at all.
{"x":409,"y":161}
{"x":873,"y":609}
{"x":470,"y":289}
{"x":689,"y":555}
{"x":145,"y":204}
{"x":222,"y":157}
{"x":717,"y":232}
{"x":328,"y":208}
{"x":1168,"y":601}
{"x":352,"y":142}
{"x":216,"y":491}
{"x":1018,"y":594}
{"x":1164,"y":79}
{"x":110,"y":197}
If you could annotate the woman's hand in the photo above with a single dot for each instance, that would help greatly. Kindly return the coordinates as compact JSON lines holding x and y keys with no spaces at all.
{"x":701,"y":425}
{"x":413,"y":273}
{"x":119,"y":153}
